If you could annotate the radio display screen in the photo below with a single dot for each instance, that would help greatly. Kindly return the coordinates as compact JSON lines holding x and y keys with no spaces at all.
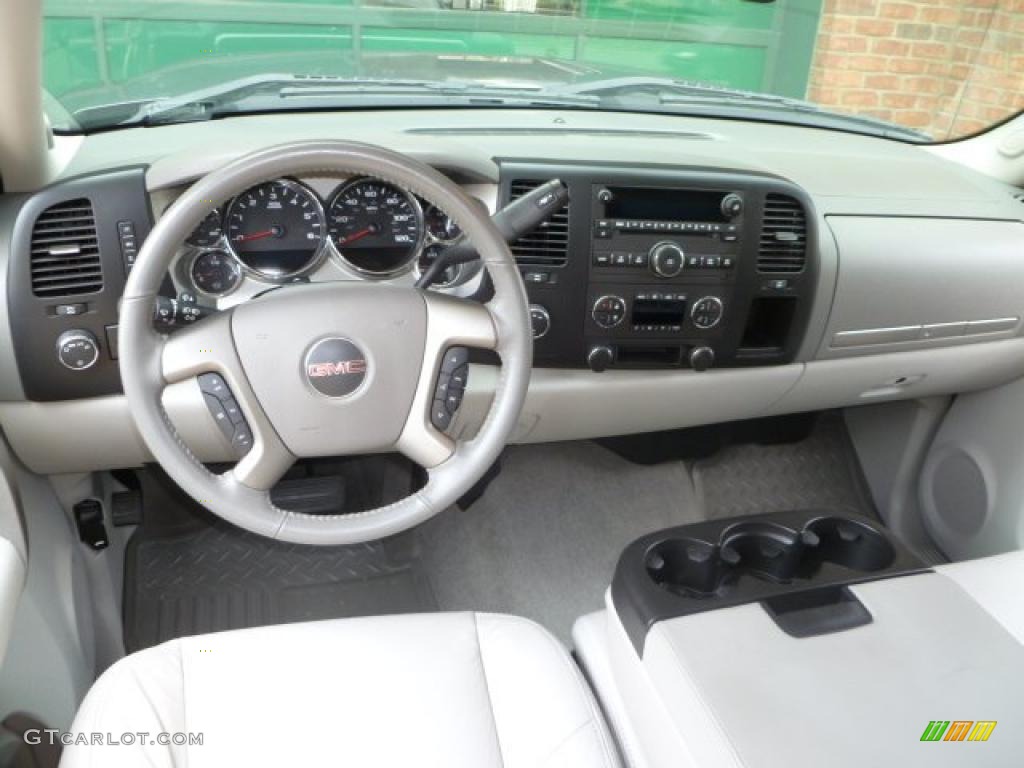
{"x":664,"y":204}
{"x":658,"y":312}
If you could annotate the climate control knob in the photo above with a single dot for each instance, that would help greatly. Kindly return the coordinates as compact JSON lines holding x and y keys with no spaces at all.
{"x":77,"y":350}
{"x":706,"y":312}
{"x":540,"y":321}
{"x":667,"y":259}
{"x":609,"y":311}
{"x":599,"y":358}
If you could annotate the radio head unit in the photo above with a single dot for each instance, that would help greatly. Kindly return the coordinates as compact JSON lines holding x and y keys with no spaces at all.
{"x":661,"y":204}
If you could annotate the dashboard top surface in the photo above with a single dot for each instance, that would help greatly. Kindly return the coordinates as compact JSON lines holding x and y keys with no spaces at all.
{"x":845,"y":173}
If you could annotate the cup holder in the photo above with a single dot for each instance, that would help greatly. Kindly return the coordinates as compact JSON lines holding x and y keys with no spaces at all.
{"x":768,"y":551}
{"x":690,"y":566}
{"x":798,"y":564}
{"x":851,"y":544}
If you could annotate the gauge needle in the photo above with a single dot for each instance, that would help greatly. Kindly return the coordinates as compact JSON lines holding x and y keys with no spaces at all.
{"x":358,"y":235}
{"x":254,"y":236}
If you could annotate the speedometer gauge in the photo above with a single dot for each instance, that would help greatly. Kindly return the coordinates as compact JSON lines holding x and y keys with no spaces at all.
{"x":377,"y":227}
{"x":276,"y":229}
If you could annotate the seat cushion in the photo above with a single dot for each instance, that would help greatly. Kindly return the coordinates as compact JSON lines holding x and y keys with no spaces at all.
{"x":458,"y":689}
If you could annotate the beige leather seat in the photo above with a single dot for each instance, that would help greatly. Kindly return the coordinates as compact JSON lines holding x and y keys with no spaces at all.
{"x":416,"y":690}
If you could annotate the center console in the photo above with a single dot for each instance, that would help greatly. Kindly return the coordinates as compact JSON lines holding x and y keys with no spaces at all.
{"x":649,"y":268}
{"x":805,"y":638}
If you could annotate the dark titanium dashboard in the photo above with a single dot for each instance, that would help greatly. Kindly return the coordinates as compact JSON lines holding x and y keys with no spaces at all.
{"x":850,"y":272}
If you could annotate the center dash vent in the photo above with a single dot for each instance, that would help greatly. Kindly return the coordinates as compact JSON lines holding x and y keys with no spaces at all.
{"x":65,"y":251}
{"x":548,"y":245}
{"x":783,"y":245}
{"x":1019,"y":197}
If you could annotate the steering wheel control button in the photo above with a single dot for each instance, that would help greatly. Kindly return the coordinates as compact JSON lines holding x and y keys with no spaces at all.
{"x":214,"y":384}
{"x":242,"y":439}
{"x":220,"y":415}
{"x":226,"y":413}
{"x":609,"y":311}
{"x":459,"y":377}
{"x":336,"y":367}
{"x":440,"y":416}
{"x":453,"y":358}
{"x":451,"y":386}
{"x":706,"y":312}
{"x":77,"y":350}
{"x":233,"y":411}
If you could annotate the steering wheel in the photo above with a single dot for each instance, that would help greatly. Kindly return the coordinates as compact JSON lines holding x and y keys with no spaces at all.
{"x":330,"y":368}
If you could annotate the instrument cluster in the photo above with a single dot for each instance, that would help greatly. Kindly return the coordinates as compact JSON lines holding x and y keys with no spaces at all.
{"x":281,"y":230}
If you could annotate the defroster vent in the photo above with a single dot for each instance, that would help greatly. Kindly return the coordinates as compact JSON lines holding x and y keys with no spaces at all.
{"x":548,"y":245}
{"x":783,"y":245}
{"x":65,"y":251}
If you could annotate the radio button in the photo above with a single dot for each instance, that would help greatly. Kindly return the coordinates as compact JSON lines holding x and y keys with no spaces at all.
{"x":602,"y":259}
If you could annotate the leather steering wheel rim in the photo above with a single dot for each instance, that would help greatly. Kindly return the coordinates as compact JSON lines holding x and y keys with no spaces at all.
{"x":223,"y":343}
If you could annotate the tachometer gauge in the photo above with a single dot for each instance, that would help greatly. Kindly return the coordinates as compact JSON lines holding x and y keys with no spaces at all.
{"x":209,"y":231}
{"x":215,"y":273}
{"x":376,"y":227}
{"x":439,"y":225}
{"x":276,"y":229}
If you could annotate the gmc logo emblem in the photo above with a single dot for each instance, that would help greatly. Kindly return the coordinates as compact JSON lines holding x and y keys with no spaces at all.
{"x":339,"y":368}
{"x":336,"y":367}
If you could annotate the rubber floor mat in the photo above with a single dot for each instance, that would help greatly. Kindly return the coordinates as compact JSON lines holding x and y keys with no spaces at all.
{"x":217,"y":577}
{"x":819,"y":472}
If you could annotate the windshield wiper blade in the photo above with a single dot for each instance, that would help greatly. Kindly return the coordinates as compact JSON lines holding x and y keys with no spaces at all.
{"x":708,"y":99}
{"x":210,"y":102}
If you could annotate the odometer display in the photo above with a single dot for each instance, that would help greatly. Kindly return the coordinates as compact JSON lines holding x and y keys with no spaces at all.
{"x":376,"y":227}
{"x":276,"y":229}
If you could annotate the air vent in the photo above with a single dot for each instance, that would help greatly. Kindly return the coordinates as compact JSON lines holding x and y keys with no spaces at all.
{"x":65,"y":251}
{"x":548,"y":245}
{"x":783,"y":246}
{"x":1019,"y":197}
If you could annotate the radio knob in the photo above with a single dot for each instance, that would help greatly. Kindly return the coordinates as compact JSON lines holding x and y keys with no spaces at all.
{"x":667,"y":259}
{"x":605,"y":195}
{"x":77,"y":350}
{"x":599,"y":358}
{"x":540,"y":321}
{"x":732,"y":205}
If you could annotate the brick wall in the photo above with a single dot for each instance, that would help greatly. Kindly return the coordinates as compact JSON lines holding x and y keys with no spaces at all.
{"x":946,"y":67}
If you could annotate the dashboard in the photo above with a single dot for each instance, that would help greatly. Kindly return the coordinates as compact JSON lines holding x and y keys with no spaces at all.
{"x":702,"y":271}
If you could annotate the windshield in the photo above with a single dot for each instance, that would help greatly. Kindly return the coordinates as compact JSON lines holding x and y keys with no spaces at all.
{"x":910,"y":70}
